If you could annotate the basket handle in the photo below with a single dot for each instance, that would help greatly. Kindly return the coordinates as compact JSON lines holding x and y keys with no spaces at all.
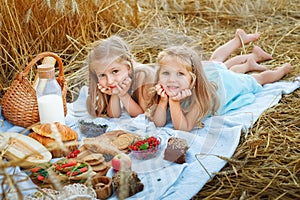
{"x":39,"y":57}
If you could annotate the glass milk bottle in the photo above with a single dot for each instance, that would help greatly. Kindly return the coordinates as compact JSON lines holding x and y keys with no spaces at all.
{"x":49,"y":96}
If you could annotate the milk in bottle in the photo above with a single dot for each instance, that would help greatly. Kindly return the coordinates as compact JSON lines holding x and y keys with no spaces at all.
{"x":49,"y":96}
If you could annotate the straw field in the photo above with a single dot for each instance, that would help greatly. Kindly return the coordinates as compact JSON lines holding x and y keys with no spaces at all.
{"x":266,"y":164}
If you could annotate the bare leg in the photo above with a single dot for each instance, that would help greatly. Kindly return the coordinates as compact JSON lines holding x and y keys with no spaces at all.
{"x":257,"y":54}
{"x":270,"y":76}
{"x":249,"y":65}
{"x":224,"y":51}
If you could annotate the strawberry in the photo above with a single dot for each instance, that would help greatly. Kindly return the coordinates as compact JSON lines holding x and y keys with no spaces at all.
{"x":73,"y":154}
{"x":76,"y":152}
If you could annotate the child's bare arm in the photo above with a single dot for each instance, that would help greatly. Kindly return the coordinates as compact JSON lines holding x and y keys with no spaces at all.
{"x":180,"y":120}
{"x":160,"y":113}
{"x":114,"y":108}
{"x":132,"y":107}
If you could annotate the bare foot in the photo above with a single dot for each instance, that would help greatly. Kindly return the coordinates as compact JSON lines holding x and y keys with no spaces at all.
{"x":284,"y":69}
{"x":270,"y":76}
{"x":260,"y":54}
{"x":253,"y":66}
{"x":246,"y":38}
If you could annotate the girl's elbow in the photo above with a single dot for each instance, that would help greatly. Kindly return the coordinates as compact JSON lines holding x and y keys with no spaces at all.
{"x":159,"y":124}
{"x":114,"y":115}
{"x":135,"y":114}
{"x":180,"y":128}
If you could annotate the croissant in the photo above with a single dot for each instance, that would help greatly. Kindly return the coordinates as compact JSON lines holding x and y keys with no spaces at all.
{"x":49,"y":138}
{"x":41,"y":139}
{"x":66,"y":132}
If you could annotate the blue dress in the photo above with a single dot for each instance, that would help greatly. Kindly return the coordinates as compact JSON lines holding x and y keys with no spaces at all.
{"x":234,"y":90}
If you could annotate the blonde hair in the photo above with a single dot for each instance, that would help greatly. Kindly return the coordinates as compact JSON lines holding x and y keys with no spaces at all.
{"x":204,"y":94}
{"x":111,"y":49}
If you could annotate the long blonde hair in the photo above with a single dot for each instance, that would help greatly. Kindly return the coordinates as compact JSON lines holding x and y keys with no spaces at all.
{"x":204,"y":93}
{"x":111,"y":49}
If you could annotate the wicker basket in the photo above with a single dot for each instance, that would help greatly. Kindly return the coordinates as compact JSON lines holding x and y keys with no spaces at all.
{"x":19,"y":103}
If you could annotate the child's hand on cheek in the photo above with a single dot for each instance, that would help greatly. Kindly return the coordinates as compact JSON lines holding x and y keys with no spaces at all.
{"x":161,"y":92}
{"x":181,"y":95}
{"x":124,"y":86}
{"x":105,"y":90}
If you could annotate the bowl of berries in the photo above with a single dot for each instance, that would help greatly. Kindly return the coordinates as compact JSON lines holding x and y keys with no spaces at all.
{"x":145,"y":148}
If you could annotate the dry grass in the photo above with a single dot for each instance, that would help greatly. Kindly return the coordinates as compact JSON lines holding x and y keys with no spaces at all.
{"x":268,"y":164}
{"x":269,"y":158}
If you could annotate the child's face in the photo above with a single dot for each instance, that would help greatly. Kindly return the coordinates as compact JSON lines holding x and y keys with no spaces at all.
{"x":109,"y":76}
{"x":173,"y":76}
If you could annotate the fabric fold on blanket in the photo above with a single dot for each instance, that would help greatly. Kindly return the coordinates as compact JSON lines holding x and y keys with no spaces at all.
{"x":219,"y":137}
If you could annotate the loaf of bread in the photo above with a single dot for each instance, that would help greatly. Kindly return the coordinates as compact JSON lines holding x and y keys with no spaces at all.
{"x":176,"y":150}
{"x":112,"y":142}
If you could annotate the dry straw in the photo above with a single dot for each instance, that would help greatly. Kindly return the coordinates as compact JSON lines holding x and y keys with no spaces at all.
{"x":266,"y":164}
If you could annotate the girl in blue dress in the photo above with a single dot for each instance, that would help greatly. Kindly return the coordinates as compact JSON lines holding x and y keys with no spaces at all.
{"x":190,"y":89}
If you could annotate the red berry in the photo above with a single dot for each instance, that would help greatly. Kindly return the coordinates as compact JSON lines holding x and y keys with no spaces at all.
{"x":76,"y":152}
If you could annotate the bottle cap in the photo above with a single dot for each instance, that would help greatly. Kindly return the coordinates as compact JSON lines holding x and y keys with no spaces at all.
{"x":46,"y":71}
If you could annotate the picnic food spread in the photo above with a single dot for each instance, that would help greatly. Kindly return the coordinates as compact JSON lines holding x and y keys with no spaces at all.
{"x":91,"y":160}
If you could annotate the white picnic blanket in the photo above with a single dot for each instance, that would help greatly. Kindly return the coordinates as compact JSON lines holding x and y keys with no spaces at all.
{"x":166,"y":180}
